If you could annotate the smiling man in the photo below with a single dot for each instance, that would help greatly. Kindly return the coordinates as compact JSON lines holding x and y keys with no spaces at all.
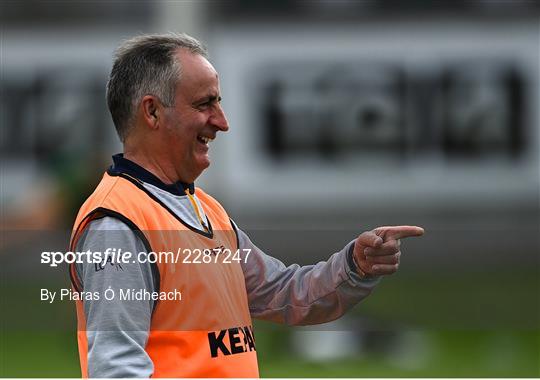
{"x":164,"y":98}
{"x":170,"y":136}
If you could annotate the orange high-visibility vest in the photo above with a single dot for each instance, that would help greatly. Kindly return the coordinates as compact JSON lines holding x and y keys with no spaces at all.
{"x":208,"y":333}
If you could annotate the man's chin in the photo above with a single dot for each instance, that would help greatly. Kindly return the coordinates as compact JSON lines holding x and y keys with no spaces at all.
{"x":203,"y":165}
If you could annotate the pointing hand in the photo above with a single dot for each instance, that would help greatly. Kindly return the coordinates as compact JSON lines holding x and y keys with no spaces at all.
{"x":377,"y":252}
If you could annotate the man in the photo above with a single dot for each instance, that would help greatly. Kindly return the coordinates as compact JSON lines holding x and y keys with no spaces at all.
{"x":164,"y":98}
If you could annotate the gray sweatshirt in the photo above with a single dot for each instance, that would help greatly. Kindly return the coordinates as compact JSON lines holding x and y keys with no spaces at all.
{"x":118,"y":332}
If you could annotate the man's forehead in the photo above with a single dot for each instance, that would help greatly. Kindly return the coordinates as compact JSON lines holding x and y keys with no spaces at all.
{"x":195,"y":63}
{"x":198,"y":77}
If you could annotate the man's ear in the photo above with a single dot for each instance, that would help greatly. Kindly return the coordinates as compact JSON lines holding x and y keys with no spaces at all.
{"x":151,"y":110}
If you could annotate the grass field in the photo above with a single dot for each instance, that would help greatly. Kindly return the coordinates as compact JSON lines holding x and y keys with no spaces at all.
{"x":454,"y":354}
{"x":451,"y":354}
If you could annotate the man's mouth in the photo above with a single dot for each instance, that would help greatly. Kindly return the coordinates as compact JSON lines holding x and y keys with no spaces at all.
{"x":204,"y":139}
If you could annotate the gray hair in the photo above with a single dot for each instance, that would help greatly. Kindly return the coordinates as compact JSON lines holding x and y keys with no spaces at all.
{"x":145,"y":65}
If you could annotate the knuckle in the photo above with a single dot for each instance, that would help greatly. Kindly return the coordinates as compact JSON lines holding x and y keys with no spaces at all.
{"x":363,"y":238}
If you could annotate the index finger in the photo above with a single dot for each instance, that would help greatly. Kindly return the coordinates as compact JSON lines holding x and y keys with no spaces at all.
{"x":398,"y":232}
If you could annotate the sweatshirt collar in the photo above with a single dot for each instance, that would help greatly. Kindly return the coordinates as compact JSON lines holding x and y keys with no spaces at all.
{"x":122,"y":165}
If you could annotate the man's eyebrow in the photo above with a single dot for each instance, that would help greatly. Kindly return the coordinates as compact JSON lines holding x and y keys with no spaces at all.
{"x":207,"y":99}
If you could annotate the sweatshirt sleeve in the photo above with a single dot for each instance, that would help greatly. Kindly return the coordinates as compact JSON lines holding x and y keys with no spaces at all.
{"x":301,"y":295}
{"x":117,"y":331}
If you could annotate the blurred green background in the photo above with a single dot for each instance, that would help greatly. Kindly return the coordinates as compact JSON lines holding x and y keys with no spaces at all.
{"x":401,"y":333}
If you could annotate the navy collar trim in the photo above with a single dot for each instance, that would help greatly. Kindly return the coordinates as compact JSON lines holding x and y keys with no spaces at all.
{"x":122,"y":165}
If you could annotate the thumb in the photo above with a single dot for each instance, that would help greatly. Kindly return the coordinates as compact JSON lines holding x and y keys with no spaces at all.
{"x":369,"y":239}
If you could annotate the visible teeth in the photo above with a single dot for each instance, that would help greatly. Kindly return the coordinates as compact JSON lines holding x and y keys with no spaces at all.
{"x":205,"y":140}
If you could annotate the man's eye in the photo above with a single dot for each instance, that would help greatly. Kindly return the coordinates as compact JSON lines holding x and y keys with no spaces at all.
{"x":209,"y":103}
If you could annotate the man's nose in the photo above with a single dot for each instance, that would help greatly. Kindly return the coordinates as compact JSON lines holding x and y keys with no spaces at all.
{"x":219,"y":120}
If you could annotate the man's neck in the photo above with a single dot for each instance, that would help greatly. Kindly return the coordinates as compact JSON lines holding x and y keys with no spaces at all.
{"x":164,"y":172}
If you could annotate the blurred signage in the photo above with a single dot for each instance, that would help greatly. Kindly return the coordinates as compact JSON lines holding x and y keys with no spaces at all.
{"x":53,"y":111}
{"x":331,"y":110}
